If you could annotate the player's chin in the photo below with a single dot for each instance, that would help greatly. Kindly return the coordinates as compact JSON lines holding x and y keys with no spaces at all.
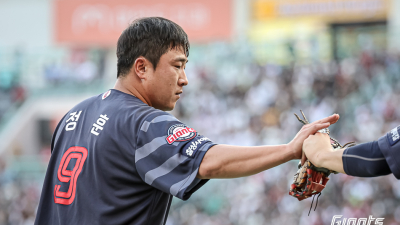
{"x":169,"y":107}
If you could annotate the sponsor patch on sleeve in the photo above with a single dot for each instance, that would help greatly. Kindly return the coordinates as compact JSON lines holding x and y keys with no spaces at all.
{"x":180,"y":132}
{"x":191,"y":148}
{"x":393,"y":136}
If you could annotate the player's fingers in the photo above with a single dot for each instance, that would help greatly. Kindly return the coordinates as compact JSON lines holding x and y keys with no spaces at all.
{"x":331,"y":119}
{"x":322,"y":135}
{"x":317,"y":127}
{"x":303,"y":158}
{"x":337,"y":117}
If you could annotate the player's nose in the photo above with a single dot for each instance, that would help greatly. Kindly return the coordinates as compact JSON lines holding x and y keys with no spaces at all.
{"x":183,"y":81}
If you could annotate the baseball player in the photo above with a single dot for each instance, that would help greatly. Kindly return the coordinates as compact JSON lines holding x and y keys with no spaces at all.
{"x":371,"y":159}
{"x":118,"y":157}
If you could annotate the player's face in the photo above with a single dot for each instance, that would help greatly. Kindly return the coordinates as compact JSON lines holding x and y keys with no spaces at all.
{"x":165,"y":84}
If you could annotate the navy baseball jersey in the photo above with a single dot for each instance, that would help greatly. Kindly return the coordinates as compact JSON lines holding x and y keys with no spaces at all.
{"x":116,"y":160}
{"x":390,"y":147}
{"x":376,"y":158}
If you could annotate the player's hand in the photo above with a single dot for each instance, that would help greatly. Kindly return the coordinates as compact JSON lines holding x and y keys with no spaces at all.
{"x":296,"y":144}
{"x":315,"y":145}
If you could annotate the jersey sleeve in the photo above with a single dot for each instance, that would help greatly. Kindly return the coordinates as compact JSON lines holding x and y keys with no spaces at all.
{"x":365,"y":160}
{"x":169,"y":154}
{"x":390,"y":147}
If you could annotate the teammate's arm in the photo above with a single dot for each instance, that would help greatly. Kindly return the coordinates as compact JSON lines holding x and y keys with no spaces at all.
{"x":225,"y":161}
{"x":319,"y":151}
{"x":363,"y":160}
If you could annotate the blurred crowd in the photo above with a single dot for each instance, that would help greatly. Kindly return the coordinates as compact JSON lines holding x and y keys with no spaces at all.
{"x":234,"y":99}
{"x":12,"y":93}
{"x":81,"y":68}
{"x":23,"y":72}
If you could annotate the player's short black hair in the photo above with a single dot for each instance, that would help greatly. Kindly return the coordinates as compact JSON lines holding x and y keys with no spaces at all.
{"x":150,"y":37}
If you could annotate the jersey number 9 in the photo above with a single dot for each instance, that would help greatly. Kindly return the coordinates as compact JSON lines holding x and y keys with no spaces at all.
{"x":71,"y":176}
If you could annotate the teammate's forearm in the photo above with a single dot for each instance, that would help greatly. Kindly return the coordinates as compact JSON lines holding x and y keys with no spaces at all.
{"x":225,"y":161}
{"x":318,"y":150}
{"x":331,"y":160}
{"x":365,"y":160}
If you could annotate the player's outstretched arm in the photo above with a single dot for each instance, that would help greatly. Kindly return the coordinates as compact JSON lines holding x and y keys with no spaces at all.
{"x":226,"y":161}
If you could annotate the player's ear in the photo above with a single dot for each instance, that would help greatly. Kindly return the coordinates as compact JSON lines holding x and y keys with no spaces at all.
{"x":140,"y":67}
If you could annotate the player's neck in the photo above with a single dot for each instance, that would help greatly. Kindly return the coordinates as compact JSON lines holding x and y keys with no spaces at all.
{"x":121,"y":85}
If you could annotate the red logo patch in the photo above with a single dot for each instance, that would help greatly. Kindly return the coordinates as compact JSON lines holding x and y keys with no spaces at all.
{"x":105,"y":95}
{"x":180,"y":132}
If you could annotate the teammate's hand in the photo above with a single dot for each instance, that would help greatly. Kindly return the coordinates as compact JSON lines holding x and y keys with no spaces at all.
{"x":297,"y":143}
{"x":315,"y":145}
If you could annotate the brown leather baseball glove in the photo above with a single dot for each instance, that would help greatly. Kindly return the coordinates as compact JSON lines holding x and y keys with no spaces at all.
{"x":309,"y":179}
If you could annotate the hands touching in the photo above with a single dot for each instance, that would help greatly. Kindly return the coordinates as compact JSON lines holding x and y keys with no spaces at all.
{"x":296,"y":144}
{"x":315,"y":146}
{"x":318,"y":149}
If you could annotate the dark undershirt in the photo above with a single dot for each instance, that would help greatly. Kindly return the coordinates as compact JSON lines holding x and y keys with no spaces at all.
{"x":365,"y":160}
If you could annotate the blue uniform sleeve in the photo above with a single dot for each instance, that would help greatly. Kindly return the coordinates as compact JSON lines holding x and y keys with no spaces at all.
{"x":169,"y":154}
{"x":365,"y":160}
{"x":390,"y":147}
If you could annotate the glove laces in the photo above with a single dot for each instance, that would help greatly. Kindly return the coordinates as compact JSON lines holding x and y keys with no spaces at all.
{"x":315,"y":203}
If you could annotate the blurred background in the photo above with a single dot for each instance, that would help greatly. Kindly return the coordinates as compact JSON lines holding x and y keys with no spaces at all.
{"x":255,"y":62}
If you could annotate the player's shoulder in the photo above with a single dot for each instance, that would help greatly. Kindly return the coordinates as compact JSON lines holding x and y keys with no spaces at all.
{"x":126,"y":107}
{"x":86,"y":102}
{"x":111,"y":99}
{"x":152,"y":115}
{"x":131,"y":107}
